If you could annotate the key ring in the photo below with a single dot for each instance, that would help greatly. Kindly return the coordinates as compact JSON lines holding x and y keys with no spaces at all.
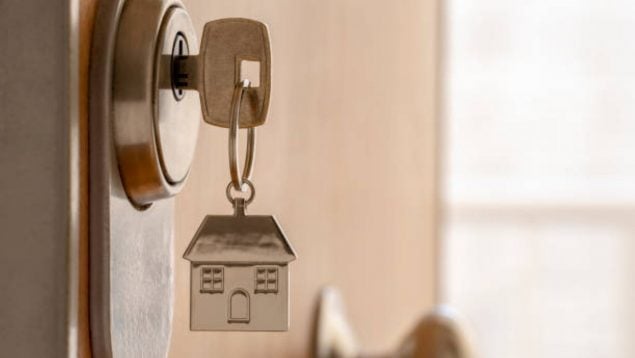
{"x":252,"y":189}
{"x":234,"y":122}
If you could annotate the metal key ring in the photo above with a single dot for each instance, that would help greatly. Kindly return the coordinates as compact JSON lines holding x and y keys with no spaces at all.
{"x":252,"y":189}
{"x":234,"y":123}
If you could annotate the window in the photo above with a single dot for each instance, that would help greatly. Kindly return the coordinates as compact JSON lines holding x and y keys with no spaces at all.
{"x":212,"y":279}
{"x":266,"y":280}
{"x":539,"y":241}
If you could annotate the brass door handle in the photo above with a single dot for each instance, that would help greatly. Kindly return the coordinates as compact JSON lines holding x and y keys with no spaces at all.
{"x":438,"y":334}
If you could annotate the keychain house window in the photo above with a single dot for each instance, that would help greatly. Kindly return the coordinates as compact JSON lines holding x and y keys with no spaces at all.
{"x":212,"y":279}
{"x":266,"y":280}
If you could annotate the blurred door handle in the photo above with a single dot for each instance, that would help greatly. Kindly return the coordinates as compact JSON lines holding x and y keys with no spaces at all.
{"x":438,"y":334}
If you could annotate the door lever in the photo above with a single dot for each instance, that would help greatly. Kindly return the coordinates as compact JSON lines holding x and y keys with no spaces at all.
{"x":438,"y":334}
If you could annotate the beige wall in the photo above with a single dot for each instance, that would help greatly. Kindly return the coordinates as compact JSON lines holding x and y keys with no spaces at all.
{"x":347,"y":162}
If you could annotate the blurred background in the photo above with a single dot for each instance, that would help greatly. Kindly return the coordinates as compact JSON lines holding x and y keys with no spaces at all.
{"x":538,"y":235}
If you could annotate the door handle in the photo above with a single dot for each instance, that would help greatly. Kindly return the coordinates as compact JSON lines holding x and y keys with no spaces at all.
{"x":438,"y":334}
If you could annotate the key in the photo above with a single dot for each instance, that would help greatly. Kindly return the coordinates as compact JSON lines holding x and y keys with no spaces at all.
{"x":231,"y":50}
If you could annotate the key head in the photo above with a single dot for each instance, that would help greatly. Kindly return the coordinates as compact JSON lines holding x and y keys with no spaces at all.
{"x":231,"y":50}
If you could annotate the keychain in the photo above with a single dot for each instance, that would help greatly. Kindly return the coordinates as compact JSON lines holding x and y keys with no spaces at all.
{"x":239,"y":263}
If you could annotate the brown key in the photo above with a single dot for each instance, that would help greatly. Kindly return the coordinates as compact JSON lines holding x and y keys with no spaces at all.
{"x":231,"y":50}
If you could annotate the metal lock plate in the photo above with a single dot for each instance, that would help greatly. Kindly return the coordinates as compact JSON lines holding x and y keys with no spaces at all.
{"x":142,"y":141}
{"x":231,"y":50}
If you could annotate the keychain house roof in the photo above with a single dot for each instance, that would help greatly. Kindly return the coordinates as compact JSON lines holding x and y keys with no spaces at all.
{"x":239,"y":274}
{"x":240,"y":240}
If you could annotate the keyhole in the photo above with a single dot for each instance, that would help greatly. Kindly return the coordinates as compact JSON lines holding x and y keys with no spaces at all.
{"x":180,"y":78}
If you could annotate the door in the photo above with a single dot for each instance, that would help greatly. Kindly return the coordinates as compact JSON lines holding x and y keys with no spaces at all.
{"x":239,"y":306}
{"x":347,"y":162}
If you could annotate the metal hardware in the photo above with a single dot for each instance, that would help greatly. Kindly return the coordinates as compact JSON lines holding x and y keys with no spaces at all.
{"x":180,"y":51}
{"x":252,"y":192}
{"x":250,"y":255}
{"x":333,"y":335}
{"x":237,"y":178}
{"x":131,"y":120}
{"x":252,"y":250}
{"x":231,"y":50}
{"x":440,"y":333}
{"x":154,"y":126}
{"x":144,"y":125}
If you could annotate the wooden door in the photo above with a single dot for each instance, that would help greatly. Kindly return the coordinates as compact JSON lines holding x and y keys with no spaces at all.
{"x":347,"y":162}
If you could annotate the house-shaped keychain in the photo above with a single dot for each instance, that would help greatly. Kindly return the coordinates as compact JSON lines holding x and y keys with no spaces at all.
{"x":239,"y":274}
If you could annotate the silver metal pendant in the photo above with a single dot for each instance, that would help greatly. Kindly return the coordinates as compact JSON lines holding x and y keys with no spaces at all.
{"x":239,"y":273}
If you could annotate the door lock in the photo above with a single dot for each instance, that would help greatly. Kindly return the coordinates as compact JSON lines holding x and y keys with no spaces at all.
{"x":155,"y":128}
{"x":144,"y":123}
{"x":156,"y":64}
